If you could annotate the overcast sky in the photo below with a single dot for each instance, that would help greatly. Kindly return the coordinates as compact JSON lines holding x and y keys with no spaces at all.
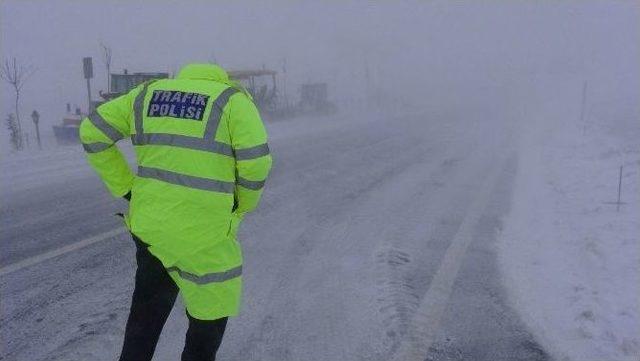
{"x":444,"y":46}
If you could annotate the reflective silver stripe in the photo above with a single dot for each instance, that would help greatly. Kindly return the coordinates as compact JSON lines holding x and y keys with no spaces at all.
{"x":182,"y":141}
{"x":95,"y":147}
{"x":186,"y":180}
{"x":98,"y":121}
{"x":209,"y":277}
{"x":138,"y":107}
{"x":216,"y":113}
{"x":253,"y":185}
{"x":253,"y":152}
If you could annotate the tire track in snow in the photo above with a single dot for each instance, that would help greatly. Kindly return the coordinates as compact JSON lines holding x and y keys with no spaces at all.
{"x":424,"y":325}
{"x":265,"y":340}
{"x":405,"y":261}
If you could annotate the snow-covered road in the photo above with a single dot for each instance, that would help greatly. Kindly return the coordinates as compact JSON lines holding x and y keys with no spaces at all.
{"x":375,"y":240}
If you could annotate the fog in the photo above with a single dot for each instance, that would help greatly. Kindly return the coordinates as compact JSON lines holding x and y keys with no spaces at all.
{"x":424,"y":52}
{"x":460,"y":203}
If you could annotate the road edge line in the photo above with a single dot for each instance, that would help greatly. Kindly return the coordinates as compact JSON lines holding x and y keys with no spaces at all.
{"x":27,"y":262}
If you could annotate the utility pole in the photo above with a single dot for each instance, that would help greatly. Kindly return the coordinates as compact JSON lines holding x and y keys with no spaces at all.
{"x":106,"y":51}
{"x":87,"y":67}
{"x":367,"y":78}
{"x":582,"y":109}
{"x":36,"y":120}
{"x":284,"y":83}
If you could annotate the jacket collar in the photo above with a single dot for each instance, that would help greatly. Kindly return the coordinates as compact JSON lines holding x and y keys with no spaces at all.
{"x":203,"y":71}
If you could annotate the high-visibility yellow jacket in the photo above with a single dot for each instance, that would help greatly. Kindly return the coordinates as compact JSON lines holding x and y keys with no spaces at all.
{"x":202,"y":158}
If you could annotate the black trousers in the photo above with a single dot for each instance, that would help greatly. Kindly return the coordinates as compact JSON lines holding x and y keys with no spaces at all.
{"x":153,"y":298}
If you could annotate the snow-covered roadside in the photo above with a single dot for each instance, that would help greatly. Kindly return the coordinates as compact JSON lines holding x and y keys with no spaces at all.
{"x":571,"y":262}
{"x":23,"y":170}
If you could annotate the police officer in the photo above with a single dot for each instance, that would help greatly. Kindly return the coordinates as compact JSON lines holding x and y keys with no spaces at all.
{"x":202,"y":159}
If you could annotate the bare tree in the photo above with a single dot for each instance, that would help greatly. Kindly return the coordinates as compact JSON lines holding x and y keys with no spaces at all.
{"x":14,"y":135}
{"x":16,"y":76}
{"x":106,"y":52}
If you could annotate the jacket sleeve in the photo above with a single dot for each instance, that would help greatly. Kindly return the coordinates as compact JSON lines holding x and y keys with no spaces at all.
{"x":99,"y":132}
{"x":249,"y":143}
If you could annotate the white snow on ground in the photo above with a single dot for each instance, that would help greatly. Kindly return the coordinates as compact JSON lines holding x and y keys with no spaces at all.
{"x":571,"y":261}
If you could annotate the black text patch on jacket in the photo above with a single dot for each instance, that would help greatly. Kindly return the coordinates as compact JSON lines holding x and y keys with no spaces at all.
{"x":177,"y":104}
